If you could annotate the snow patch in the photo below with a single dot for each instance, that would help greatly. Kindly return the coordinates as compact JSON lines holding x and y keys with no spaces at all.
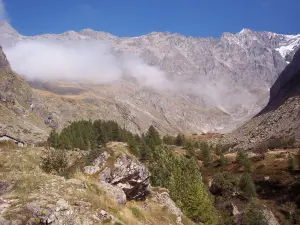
{"x":289,"y":44}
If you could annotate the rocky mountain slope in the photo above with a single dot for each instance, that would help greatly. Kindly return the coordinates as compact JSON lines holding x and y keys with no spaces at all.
{"x":280,"y":118}
{"x":29,"y":195}
{"x":16,"y":96}
{"x":216,"y":83}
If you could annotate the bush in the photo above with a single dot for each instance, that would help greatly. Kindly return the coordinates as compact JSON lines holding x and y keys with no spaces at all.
{"x":224,"y":184}
{"x":55,"y":162}
{"x":254,"y":215}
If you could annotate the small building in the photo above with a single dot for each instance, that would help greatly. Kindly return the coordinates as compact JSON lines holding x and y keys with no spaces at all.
{"x":5,"y":137}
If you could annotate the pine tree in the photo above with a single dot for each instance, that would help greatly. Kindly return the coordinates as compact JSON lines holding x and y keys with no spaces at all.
{"x":223,"y":160}
{"x":152,"y":137}
{"x":206,"y":154}
{"x":188,"y":191}
{"x":53,"y":139}
{"x":247,"y":186}
{"x":180,"y":140}
{"x":241,"y":158}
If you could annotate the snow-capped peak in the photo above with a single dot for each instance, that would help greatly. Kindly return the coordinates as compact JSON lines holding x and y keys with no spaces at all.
{"x":288,"y":44}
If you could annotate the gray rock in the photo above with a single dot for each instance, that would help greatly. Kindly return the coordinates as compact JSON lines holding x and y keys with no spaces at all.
{"x":77,"y":182}
{"x":90,"y":170}
{"x":163,"y":199}
{"x":131,"y":176}
{"x":107,"y":217}
{"x":114,"y":192}
{"x":48,"y":214}
{"x":101,"y":160}
{"x":232,"y":209}
{"x":62,"y":205}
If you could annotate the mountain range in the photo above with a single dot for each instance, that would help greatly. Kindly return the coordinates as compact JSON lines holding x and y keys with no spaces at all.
{"x":174,"y":82}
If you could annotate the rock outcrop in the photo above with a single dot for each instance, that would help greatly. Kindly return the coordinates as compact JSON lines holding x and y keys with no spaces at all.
{"x":163,"y":198}
{"x":121,"y":174}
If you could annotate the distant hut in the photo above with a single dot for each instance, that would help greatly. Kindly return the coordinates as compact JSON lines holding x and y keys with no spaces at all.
{"x":17,"y":142}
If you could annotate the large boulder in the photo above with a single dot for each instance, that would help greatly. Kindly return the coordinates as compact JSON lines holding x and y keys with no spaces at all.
{"x":163,"y":199}
{"x":123,"y":171}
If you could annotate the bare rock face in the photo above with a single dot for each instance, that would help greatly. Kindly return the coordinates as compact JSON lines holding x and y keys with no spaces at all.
{"x":280,"y":118}
{"x":114,"y":192}
{"x":3,"y":60}
{"x":123,"y":174}
{"x":163,"y":198}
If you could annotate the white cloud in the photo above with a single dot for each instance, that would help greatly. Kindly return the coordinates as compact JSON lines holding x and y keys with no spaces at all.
{"x":79,"y":60}
{"x":94,"y":61}
{"x":3,"y":12}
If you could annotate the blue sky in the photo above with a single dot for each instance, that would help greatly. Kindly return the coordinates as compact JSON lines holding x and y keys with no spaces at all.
{"x":136,"y":17}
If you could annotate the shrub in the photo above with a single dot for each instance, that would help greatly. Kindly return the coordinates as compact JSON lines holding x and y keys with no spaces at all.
{"x":254,"y":215}
{"x":55,"y":161}
{"x":224,"y":184}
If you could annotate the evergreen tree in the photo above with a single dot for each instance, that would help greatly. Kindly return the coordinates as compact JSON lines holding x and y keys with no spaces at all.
{"x":53,"y":139}
{"x":241,"y":158}
{"x":190,"y":194}
{"x":180,"y":140}
{"x":247,"y":186}
{"x":206,"y":154}
{"x":223,"y":160}
{"x":152,"y":137}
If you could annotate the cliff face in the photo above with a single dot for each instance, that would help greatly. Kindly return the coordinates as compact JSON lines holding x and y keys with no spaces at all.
{"x":3,"y":60}
{"x":280,"y":117}
{"x":17,"y":118}
{"x":286,"y":85}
